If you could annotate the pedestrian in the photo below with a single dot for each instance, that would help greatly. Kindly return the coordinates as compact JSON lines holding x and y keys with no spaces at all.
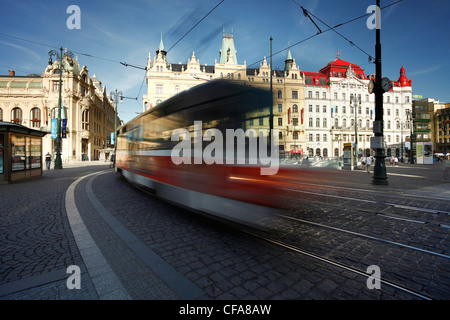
{"x":48,"y":160}
{"x":396,"y":161}
{"x":363,"y":162}
{"x":368,"y":163}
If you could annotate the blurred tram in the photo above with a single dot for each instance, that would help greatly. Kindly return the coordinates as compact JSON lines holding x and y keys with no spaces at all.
{"x":236,"y":191}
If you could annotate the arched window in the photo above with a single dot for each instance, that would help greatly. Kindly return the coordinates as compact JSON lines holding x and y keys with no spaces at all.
{"x":294,"y":108}
{"x":85,"y":120}
{"x":318,"y":152}
{"x":35,"y":118}
{"x":325,"y":152}
{"x":177,"y":89}
{"x":54,"y":113}
{"x":280,"y":94}
{"x":16,"y":115}
{"x":317,"y":122}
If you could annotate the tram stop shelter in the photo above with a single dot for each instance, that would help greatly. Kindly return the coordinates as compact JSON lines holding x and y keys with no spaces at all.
{"x":20,"y":152}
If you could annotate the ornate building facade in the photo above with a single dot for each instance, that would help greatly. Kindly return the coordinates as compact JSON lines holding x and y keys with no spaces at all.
{"x":339,"y":109}
{"x":89,"y":113}
{"x":165,"y":79}
{"x":315,"y":112}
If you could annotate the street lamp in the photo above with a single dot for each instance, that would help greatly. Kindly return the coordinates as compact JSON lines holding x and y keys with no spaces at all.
{"x":115,"y":95}
{"x":380,"y":86}
{"x":357,"y":102}
{"x":411,"y":124}
{"x":59,"y":55}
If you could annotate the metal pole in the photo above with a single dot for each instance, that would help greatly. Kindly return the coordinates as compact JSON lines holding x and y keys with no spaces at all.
{"x":115,"y":94}
{"x":271,"y":76}
{"x":356,"y":130}
{"x":379,"y":172}
{"x":58,"y":160}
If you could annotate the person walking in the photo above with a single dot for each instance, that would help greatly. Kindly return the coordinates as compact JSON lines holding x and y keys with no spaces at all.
{"x":368,"y":163}
{"x":48,"y":160}
{"x":363,"y":162}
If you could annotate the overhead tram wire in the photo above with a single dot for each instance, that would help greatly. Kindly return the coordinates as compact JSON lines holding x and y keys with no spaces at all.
{"x":195,"y":25}
{"x":322,"y":31}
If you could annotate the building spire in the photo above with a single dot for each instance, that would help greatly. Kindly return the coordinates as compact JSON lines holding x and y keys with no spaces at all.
{"x":161,"y":44}
{"x":288,"y":63}
{"x":228,"y":51}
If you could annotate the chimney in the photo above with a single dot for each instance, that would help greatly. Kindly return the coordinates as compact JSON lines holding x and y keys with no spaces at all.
{"x":11,"y":73}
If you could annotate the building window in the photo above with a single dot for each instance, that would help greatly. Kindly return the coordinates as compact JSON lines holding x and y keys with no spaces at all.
{"x":280,"y":108}
{"x":317,"y":123}
{"x":310,"y":136}
{"x":261,"y":122}
{"x":35,"y":118}
{"x":324,"y":122}
{"x":295,"y":108}
{"x":280,"y":121}
{"x":310,"y":122}
{"x":324,"y":109}
{"x":16,"y":115}
{"x":294,"y":95}
{"x":177,"y":89}
{"x":159,"y":88}
{"x":295,"y":121}
{"x":280,"y":94}
{"x":84,"y":120}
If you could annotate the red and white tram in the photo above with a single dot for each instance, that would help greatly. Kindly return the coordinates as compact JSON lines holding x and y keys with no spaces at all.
{"x":237,"y":191}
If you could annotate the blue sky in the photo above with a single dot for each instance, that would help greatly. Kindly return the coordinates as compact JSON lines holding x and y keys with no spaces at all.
{"x":414,"y":33}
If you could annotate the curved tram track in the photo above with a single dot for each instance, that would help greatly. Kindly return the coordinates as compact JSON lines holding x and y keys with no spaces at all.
{"x":352,"y":232}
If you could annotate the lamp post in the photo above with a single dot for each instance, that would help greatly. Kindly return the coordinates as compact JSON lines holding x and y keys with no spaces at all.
{"x":382,"y":85}
{"x":355,"y":101}
{"x":59,"y":55}
{"x":115,"y":95}
{"x":411,"y":123}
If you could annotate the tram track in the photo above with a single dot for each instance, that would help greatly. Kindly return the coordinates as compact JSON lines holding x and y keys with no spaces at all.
{"x":340,"y":265}
{"x":436,"y":216}
{"x":414,"y":250}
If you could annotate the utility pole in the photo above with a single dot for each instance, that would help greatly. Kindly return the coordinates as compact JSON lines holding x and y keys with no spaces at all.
{"x":59,"y":56}
{"x":381,"y":86}
{"x":115,"y":95}
{"x":271,"y":90}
